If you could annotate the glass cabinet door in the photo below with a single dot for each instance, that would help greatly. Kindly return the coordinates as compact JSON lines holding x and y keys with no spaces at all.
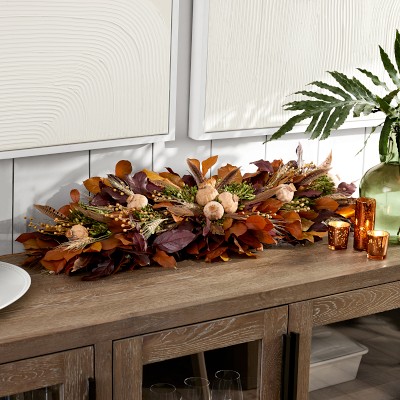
{"x":58,"y":376}
{"x":349,"y":345}
{"x":236,"y":358}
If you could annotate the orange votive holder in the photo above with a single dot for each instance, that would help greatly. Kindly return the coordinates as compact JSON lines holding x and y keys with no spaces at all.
{"x":377,"y":244}
{"x":364,"y":221}
{"x":338,"y":235}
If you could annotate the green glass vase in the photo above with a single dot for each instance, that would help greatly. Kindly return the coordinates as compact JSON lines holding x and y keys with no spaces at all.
{"x":382,"y":182}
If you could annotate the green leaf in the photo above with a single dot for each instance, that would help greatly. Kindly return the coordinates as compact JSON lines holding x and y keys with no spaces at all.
{"x":343,"y":116}
{"x":397,"y":49}
{"x":321,"y":123}
{"x":384,"y":137}
{"x":390,"y":96}
{"x":375,"y":80}
{"x":358,"y":109}
{"x":331,"y":123}
{"x":333,"y":89}
{"x":346,"y":83}
{"x":312,"y":124}
{"x":306,"y":105}
{"x":389,"y":67}
{"x":288,"y":126}
{"x":317,"y":95}
{"x":364,"y":91}
{"x":383,"y":105}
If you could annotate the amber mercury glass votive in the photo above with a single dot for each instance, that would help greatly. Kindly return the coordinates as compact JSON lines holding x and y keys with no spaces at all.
{"x":338,"y":235}
{"x":364,"y":221}
{"x":377,"y":244}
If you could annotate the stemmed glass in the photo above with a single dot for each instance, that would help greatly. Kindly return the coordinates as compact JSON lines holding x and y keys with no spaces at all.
{"x":227,"y":386}
{"x":164,"y":391}
{"x":197,"y":388}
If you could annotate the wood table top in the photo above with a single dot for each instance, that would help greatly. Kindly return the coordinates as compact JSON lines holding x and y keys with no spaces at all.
{"x":60,"y":312}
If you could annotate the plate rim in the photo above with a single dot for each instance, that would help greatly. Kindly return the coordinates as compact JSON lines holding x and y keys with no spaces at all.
{"x":25,"y":283}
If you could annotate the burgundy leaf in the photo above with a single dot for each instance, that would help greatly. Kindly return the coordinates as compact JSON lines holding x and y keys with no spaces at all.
{"x":117,"y":196}
{"x":189,"y":180}
{"x":263,"y":165}
{"x":308,"y":193}
{"x":104,"y":268}
{"x":100,"y":199}
{"x":140,"y":184}
{"x":346,"y":188}
{"x":174,"y":240}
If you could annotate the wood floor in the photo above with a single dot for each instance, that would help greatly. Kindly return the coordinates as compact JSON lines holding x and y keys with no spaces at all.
{"x":378,"y":377}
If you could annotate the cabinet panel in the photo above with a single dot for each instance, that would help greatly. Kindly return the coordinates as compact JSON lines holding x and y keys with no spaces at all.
{"x":348,"y":344}
{"x":68,"y":370}
{"x":250,"y":343}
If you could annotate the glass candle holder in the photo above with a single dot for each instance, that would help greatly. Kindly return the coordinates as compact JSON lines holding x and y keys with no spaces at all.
{"x":364,"y":221}
{"x":377,"y":244}
{"x":338,"y":235}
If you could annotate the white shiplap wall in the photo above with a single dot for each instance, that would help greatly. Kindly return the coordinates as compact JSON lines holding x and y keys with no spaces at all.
{"x":49,"y":179}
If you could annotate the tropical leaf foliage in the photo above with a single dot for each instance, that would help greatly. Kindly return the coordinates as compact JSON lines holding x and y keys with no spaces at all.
{"x":149,"y":218}
{"x":329,"y":108}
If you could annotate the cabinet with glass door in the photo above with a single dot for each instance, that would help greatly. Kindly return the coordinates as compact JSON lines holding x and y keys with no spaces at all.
{"x":348,"y":345}
{"x":239,"y":357}
{"x":59,"y":376}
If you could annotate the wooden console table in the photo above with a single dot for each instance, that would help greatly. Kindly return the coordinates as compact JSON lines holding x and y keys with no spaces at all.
{"x":104,"y":326}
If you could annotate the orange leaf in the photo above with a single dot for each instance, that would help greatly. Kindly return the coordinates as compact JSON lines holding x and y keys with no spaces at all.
{"x":75,"y":195}
{"x":173,"y":178}
{"x":207,"y":164}
{"x":162,"y":204}
{"x":255,"y":222}
{"x":270,"y":206}
{"x":308,"y":214}
{"x":26,"y":236}
{"x":56,"y":266}
{"x":238,"y":228}
{"x":264,"y":237}
{"x":65,"y":210}
{"x":94,"y":247}
{"x":110,"y":243}
{"x":92,"y":184}
{"x":123,"y":168}
{"x":123,"y":239}
{"x":224,"y":256}
{"x":326,"y":203}
{"x":294,"y":228}
{"x":163,"y":259}
{"x":251,"y":240}
{"x":195,"y":162}
{"x":223,"y":171}
{"x":290,"y":216}
{"x":227,"y":223}
{"x":215,"y":253}
{"x":59,"y":254}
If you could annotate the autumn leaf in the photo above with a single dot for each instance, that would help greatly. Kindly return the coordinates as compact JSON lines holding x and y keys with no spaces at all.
{"x":255,"y":222}
{"x":207,"y":164}
{"x":264,"y":237}
{"x":251,"y":240}
{"x":238,"y":228}
{"x":223,"y":171}
{"x":93,"y":184}
{"x":163,"y":259}
{"x":110,"y":243}
{"x":94,"y":247}
{"x":59,"y":254}
{"x":55,"y":266}
{"x":326,"y":203}
{"x":346,"y":212}
{"x":294,"y":228}
{"x":75,"y":195}
{"x":174,"y":240}
{"x":290,"y":216}
{"x":212,"y":255}
{"x":176,"y":179}
{"x":270,"y":206}
{"x":306,"y":224}
{"x":123,"y":168}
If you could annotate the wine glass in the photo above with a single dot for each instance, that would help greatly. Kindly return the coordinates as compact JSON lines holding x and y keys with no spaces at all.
{"x":197,"y":388}
{"x":227,"y":386}
{"x":164,"y":391}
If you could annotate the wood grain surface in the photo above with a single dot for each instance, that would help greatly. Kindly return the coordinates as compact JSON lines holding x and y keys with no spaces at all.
{"x":61,"y":312}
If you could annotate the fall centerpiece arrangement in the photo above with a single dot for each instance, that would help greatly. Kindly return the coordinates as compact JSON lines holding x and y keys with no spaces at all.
{"x":133,"y":220}
{"x":328,"y":107}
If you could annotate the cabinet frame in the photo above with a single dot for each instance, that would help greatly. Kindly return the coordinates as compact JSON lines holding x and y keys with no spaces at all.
{"x":305,"y":315}
{"x":266,"y":326}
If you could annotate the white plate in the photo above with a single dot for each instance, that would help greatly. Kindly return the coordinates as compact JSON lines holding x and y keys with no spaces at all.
{"x":14,"y":282}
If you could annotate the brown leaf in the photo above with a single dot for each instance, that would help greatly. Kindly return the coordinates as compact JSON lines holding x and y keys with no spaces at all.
{"x":227,"y":223}
{"x":94,"y":247}
{"x":92,"y":184}
{"x":124,"y":240}
{"x":163,"y":259}
{"x":223,"y":171}
{"x":75,"y":195}
{"x":255,"y":222}
{"x":212,"y":255}
{"x":56,"y":266}
{"x":306,"y":224}
{"x":264,"y":237}
{"x":177,"y":180}
{"x":290,"y":216}
{"x":270,"y":206}
{"x":123,"y":168}
{"x":251,"y":240}
{"x":59,"y":254}
{"x":294,"y":228}
{"x":326,"y":203}
{"x":65,"y":210}
{"x":110,"y":243}
{"x":207,"y":164}
{"x":238,"y":228}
